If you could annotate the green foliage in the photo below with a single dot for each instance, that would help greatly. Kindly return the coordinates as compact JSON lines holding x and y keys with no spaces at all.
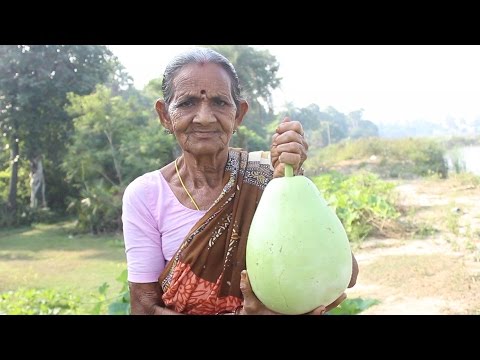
{"x":25,"y":215}
{"x":34,"y":81}
{"x":453,"y":142}
{"x":362,"y":202}
{"x":38,"y":302}
{"x":398,"y":157}
{"x":23,"y":189}
{"x":101,"y":298}
{"x":247,"y":139}
{"x":114,"y":142}
{"x":353,"y":306}
{"x":256,"y":69}
{"x":330,"y":126}
{"x":458,"y":164}
{"x":120,"y":304}
{"x":7,"y":218}
{"x":98,"y":208}
{"x":365,"y":128}
{"x":257,"y":73}
{"x":152,"y":92}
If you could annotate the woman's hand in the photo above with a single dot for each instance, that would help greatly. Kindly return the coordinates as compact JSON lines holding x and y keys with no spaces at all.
{"x":253,"y":306}
{"x":324,"y":309}
{"x":288,"y":147}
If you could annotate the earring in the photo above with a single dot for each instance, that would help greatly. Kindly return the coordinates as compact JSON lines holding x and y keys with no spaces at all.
{"x":167,"y":132}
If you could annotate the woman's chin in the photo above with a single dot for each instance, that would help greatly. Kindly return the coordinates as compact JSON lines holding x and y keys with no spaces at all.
{"x":205,"y":147}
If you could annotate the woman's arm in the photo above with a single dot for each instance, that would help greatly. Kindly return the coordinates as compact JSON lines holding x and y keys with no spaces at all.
{"x":145,"y":299}
{"x":143,"y":246}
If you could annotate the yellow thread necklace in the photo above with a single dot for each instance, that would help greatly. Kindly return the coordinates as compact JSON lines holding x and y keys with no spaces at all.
{"x":184,"y":188}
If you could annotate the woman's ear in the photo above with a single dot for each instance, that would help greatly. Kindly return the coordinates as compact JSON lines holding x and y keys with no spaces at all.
{"x":241,"y":111}
{"x":162,"y":112}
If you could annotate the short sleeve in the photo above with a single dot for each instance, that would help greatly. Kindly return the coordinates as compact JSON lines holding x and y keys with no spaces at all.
{"x":143,"y":243}
{"x":263,"y":157}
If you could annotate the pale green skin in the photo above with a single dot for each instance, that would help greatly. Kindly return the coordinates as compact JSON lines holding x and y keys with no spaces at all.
{"x":298,"y":255}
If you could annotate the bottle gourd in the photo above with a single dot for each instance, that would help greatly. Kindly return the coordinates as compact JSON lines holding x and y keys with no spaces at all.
{"x":298,"y":256}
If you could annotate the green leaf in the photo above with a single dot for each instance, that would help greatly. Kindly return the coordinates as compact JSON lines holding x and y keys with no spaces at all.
{"x":103,"y":288}
{"x":353,"y":306}
{"x":118,"y":308}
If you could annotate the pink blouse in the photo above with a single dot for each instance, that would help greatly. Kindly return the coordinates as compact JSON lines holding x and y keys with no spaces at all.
{"x":149,"y":241}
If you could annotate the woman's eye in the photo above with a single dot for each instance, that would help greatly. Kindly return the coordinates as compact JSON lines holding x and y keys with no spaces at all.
{"x":186,"y":103}
{"x":220,"y":103}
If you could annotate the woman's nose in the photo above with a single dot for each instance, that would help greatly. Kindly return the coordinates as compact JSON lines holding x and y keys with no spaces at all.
{"x":204,"y":114}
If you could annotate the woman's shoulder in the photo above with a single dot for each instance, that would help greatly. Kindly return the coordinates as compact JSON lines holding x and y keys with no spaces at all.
{"x":145,"y":185}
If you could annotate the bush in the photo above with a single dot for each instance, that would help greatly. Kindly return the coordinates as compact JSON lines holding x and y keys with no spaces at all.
{"x":118,"y":305}
{"x":399,"y":158}
{"x":363,"y":202}
{"x":38,"y":302}
{"x":353,"y":306}
{"x":99,"y":209}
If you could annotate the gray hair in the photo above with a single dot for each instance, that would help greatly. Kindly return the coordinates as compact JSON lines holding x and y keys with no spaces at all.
{"x":199,"y":56}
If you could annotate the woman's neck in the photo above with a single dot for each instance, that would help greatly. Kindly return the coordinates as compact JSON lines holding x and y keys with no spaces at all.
{"x":203,"y":171}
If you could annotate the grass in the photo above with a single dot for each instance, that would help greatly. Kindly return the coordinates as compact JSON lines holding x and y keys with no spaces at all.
{"x":50,"y":256}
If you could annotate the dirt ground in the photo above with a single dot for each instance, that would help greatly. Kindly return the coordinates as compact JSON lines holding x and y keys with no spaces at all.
{"x":434,"y":270}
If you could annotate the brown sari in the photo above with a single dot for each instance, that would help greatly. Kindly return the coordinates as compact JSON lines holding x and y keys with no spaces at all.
{"x":203,"y":277}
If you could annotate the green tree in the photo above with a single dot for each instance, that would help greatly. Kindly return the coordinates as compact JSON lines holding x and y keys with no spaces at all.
{"x":365,"y":128}
{"x":34,"y":81}
{"x":257,"y":72}
{"x":338,"y":124}
{"x":315,"y":122}
{"x":115,"y":140}
{"x":360,"y":127}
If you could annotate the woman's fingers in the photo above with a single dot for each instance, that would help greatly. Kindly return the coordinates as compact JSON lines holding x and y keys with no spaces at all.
{"x":250,"y":301}
{"x":288,"y":124}
{"x":290,"y":153}
{"x":323,"y":309}
{"x":337,"y":302}
{"x":288,"y":147}
{"x":318,"y":311}
{"x":289,"y":137}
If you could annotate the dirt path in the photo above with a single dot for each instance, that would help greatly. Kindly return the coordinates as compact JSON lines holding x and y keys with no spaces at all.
{"x":435,"y":271}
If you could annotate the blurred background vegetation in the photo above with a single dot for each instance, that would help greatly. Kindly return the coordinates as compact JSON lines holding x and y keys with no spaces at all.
{"x":74,"y":109}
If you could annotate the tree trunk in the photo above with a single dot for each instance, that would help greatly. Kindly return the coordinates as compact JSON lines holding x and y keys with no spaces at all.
{"x":37,"y":182}
{"x":12,"y":193}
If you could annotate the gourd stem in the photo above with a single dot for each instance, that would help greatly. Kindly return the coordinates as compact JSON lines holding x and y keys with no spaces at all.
{"x":288,"y":170}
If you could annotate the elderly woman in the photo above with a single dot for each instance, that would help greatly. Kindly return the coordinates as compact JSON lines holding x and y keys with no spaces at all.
{"x":186,"y":225}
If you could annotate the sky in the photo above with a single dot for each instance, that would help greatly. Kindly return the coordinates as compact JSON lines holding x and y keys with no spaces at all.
{"x":391,"y":83}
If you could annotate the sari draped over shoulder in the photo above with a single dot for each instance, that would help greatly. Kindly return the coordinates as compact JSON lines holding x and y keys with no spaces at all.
{"x":203,"y":277}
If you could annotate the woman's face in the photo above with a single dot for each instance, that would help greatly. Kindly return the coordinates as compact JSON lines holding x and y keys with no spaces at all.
{"x":202,"y":113}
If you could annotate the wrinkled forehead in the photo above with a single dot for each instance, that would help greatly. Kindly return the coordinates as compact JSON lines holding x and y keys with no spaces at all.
{"x":202,"y":78}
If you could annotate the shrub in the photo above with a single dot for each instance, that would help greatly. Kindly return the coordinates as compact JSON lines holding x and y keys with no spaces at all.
{"x":38,"y":302}
{"x":363,"y":202}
